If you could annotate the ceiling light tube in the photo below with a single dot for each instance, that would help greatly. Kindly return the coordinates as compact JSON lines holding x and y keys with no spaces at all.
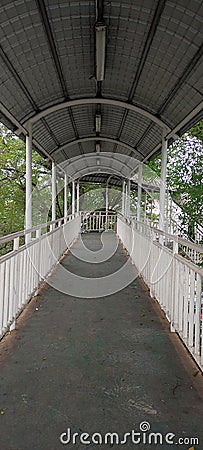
{"x":100,"y":31}
{"x":98,"y":123}
{"x":98,"y":162}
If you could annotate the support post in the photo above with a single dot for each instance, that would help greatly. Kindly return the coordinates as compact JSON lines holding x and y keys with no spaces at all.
{"x":28,"y":204}
{"x":53,"y":191}
{"x":107,"y":204}
{"x":163,"y":183}
{"x":171,"y":216}
{"x":145,"y":208}
{"x":107,"y":199}
{"x":151,"y":206}
{"x":78,"y":198}
{"x":73,"y":198}
{"x":65,"y":197}
{"x":128,"y":199}
{"x":123,"y":198}
{"x":139,"y":192}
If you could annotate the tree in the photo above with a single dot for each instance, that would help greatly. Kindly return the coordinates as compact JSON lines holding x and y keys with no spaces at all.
{"x":13,"y":184}
{"x":185,"y":177}
{"x":197,"y":131}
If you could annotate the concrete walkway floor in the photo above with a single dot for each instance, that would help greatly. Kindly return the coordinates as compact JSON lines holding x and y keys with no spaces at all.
{"x":97,"y":365}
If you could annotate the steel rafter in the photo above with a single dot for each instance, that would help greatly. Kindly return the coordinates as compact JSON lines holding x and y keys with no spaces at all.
{"x":55,"y":56}
{"x":150,"y":36}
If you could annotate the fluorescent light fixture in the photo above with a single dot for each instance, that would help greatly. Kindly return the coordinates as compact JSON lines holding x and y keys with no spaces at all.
{"x":100,"y":32}
{"x":98,"y":147}
{"x":98,"y":162}
{"x":98,"y":123}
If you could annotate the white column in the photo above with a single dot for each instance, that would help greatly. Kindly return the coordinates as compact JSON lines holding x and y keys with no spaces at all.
{"x":151,"y":206}
{"x":123,"y":197}
{"x":65,"y":196}
{"x":145,"y":207}
{"x":73,"y":198}
{"x":107,"y":198}
{"x":128,"y":199}
{"x":53,"y":191}
{"x":163,"y":183}
{"x":78,"y":198}
{"x":107,"y":203}
{"x":139,"y":192}
{"x":171,"y":216}
{"x":28,"y":204}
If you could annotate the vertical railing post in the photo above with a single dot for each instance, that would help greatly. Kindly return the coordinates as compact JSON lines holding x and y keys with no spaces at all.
{"x":163,"y":183}
{"x":78,"y":198}
{"x":123,"y":198}
{"x":53,"y":191}
{"x":65,"y":197}
{"x":139,"y":192}
{"x":107,"y":204}
{"x":151,"y":206}
{"x":145,"y":208}
{"x":175,"y":286}
{"x":73,"y":198}
{"x":28,"y":202}
{"x":128,"y":199}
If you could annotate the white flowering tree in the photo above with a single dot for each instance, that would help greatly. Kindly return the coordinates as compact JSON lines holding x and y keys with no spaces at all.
{"x":185,"y":176}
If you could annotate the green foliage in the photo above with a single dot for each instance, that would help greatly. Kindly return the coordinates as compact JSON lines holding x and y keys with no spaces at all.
{"x":93,"y":197}
{"x":185,"y":176}
{"x":197,"y":131}
{"x":13,"y":181}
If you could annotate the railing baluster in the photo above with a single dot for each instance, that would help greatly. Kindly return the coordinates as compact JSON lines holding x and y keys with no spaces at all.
{"x":174,"y":281}
{"x":22,"y":269}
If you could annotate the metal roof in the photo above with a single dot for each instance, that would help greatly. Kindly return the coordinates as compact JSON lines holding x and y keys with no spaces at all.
{"x":153,"y":81}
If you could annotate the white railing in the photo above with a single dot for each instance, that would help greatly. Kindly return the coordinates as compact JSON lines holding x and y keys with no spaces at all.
{"x":173,"y":280}
{"x":98,"y":221}
{"x":23,"y":268}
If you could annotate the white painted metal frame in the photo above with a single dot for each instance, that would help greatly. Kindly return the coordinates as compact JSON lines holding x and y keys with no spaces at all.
{"x":174,"y":281}
{"x":102,"y":101}
{"x":98,"y":221}
{"x":28,"y":200}
{"x":95,"y":139}
{"x":53,"y":191}
{"x":162,"y":197}
{"x":139,"y":192}
{"x":65,"y":195}
{"x":73,"y":198}
{"x":22,"y":269}
{"x":78,"y":198}
{"x":128,"y":198}
{"x":170,"y":134}
{"x":94,"y":169}
{"x":123,"y":197}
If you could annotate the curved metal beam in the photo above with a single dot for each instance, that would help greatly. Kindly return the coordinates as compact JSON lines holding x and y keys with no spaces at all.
{"x":74,"y":171}
{"x":91,"y":157}
{"x":103,"y":101}
{"x":95,"y":138}
{"x":93,"y":171}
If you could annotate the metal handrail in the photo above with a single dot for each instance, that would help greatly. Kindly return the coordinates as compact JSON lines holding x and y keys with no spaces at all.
{"x":21,"y":233}
{"x":173,"y":237}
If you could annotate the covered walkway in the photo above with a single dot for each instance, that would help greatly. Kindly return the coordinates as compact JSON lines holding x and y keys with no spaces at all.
{"x":102,"y":365}
{"x":99,"y":88}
